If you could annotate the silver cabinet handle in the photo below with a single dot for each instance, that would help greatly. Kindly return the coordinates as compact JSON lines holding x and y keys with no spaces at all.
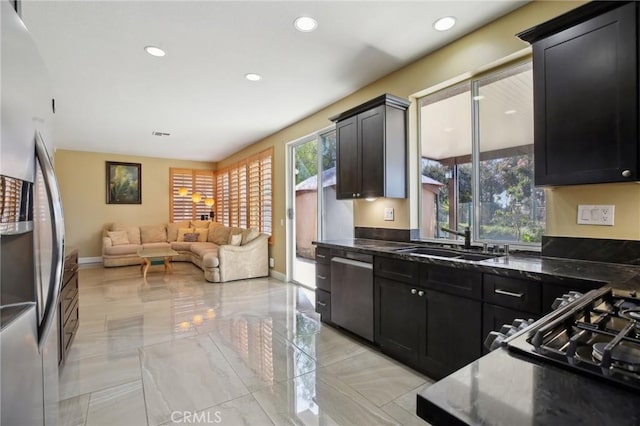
{"x":357,"y":194}
{"x":354,"y":195}
{"x":626,"y":173}
{"x":508,"y":293}
{"x":322,"y":304}
{"x":322,"y":277}
{"x":414,"y":291}
{"x":321,"y":256}
{"x":421,"y":293}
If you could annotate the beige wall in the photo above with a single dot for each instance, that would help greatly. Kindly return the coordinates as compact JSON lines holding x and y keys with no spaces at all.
{"x":81,"y":177}
{"x":562,"y":210}
{"x":461,"y":59}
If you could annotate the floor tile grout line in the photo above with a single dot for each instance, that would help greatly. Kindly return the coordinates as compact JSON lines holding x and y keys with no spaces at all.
{"x":144,"y":395}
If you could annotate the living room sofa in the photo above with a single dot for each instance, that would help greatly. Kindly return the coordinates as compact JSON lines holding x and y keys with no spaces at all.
{"x":223,"y":253}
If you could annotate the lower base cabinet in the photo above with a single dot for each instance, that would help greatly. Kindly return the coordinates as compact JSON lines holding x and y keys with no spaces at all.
{"x":431,"y":331}
{"x":397,"y":315}
{"x":451,"y":337}
{"x":494,"y":317}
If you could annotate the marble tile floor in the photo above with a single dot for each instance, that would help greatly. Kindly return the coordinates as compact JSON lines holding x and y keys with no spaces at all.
{"x":175,"y":349}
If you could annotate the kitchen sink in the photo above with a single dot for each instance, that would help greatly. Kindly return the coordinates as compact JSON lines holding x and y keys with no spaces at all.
{"x":448,"y":253}
{"x":431,"y":251}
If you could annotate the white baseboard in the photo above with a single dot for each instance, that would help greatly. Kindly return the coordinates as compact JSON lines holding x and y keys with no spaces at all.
{"x":85,"y":260}
{"x":278,"y":275}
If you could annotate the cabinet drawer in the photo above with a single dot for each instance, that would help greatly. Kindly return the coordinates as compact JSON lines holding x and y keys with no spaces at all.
{"x":451,"y":280}
{"x":323,"y":255}
{"x":323,"y":276}
{"x":70,"y":326}
{"x":396,"y":269}
{"x":513,"y":293}
{"x":323,"y":305}
{"x":551,"y":291}
{"x":68,"y":296}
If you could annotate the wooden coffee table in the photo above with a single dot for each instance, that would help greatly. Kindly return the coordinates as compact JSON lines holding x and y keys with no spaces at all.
{"x":156,"y":256}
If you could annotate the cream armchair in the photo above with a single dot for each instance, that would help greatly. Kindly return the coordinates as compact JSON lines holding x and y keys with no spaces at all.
{"x":238,"y":262}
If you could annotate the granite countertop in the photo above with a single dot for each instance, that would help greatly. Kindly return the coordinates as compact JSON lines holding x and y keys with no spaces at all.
{"x":620,"y":276}
{"x":503,"y":389}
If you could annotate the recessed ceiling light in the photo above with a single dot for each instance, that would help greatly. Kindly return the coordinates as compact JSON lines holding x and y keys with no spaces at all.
{"x":444,"y":24}
{"x":478,"y":98}
{"x":253,"y":76}
{"x":305,"y":24}
{"x":154,"y":51}
{"x":510,"y":111}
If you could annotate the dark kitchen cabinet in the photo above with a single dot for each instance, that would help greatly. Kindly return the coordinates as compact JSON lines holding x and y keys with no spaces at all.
{"x":452,"y":321}
{"x":371,"y":149}
{"x":452,"y":333}
{"x":323,"y":283}
{"x":399,"y":315}
{"x":68,"y":305}
{"x":585,"y":75}
{"x":417,"y":323}
{"x":399,"y":308}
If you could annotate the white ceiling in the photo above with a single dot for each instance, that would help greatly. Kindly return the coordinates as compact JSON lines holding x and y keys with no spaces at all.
{"x":111,"y":95}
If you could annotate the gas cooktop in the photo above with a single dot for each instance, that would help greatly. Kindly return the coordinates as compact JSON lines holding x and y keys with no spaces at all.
{"x":597,"y":334}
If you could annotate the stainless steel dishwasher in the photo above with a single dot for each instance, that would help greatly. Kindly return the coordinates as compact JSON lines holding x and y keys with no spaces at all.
{"x":352,"y":292}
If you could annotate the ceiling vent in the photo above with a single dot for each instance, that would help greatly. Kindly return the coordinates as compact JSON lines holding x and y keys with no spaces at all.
{"x":155,"y":133}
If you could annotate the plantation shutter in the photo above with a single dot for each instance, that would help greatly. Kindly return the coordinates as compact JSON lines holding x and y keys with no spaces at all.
{"x":181,"y":206}
{"x":204,"y":185}
{"x":222,"y":197}
{"x":11,"y":190}
{"x":244,"y":193}
{"x":242,"y":190}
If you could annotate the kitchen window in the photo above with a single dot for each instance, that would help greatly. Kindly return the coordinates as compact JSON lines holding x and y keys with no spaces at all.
{"x":476,"y":141}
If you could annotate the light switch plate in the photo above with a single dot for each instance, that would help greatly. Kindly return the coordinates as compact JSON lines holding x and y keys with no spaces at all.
{"x":388,"y":213}
{"x":596,"y":214}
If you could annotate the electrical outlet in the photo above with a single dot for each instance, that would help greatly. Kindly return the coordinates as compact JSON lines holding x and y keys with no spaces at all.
{"x":388,"y":213}
{"x":272,"y":262}
{"x":596,"y":214}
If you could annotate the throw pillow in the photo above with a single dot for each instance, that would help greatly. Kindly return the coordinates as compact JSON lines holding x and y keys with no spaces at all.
{"x":172,"y":230}
{"x":153,"y":234}
{"x":133,"y":232}
{"x":236,"y":240}
{"x":191,"y":237}
{"x":183,"y":231}
{"x":118,"y":238}
{"x":249,"y":235}
{"x":200,"y":224}
{"x":234,"y":231}
{"x":219,"y":234}
{"x":202,"y":234}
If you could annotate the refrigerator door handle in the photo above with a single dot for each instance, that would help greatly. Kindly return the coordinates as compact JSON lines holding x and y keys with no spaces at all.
{"x":57,"y":225}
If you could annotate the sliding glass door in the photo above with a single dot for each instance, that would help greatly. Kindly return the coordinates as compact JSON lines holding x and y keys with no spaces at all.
{"x":313,"y":212}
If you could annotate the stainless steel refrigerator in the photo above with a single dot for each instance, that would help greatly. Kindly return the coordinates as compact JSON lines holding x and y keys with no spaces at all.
{"x":31,"y":233}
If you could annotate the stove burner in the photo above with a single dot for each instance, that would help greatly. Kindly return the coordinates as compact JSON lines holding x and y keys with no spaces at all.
{"x":632,"y":314}
{"x":623,"y":353}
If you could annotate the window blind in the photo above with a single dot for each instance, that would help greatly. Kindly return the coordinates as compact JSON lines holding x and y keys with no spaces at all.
{"x":181,"y":206}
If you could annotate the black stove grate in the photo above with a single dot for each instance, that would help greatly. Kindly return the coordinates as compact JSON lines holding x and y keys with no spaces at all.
{"x":593,"y":334}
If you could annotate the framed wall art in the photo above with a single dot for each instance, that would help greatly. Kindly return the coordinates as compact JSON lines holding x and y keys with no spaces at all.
{"x":124,"y":183}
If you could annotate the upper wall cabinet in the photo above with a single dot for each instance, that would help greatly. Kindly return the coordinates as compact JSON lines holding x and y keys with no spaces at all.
{"x":585,"y":75}
{"x":371,"y":149}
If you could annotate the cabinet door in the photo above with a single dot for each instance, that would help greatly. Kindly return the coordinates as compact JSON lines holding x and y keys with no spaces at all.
{"x":586,"y":94}
{"x":398,"y":314}
{"x":347,"y":159}
{"x":452,"y":334}
{"x":371,"y":134}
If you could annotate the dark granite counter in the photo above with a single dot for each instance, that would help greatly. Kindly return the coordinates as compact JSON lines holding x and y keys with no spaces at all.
{"x":503,"y":389}
{"x":624,"y":277}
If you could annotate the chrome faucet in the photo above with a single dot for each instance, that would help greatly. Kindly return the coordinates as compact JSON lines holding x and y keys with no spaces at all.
{"x":466,"y":234}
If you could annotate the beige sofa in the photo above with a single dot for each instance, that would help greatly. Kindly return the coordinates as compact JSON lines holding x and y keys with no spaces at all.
{"x":213,"y":252}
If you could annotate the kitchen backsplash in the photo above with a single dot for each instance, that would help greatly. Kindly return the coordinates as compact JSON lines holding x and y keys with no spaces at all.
{"x":592,"y":249}
{"x":387,"y":234}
